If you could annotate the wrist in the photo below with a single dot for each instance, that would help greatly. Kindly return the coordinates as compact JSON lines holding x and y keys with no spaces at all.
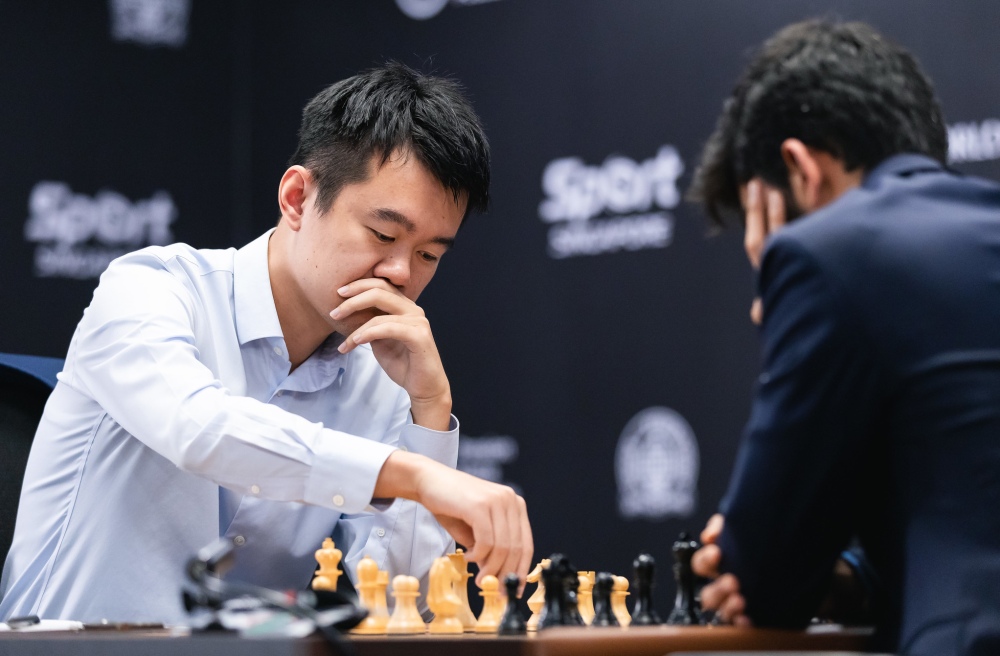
{"x":434,"y":414}
{"x":400,"y":476}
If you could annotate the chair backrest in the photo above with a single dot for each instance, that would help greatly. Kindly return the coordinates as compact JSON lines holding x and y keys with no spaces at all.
{"x":25,"y":384}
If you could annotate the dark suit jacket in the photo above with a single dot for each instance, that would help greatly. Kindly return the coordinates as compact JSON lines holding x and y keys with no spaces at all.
{"x":878,"y":411}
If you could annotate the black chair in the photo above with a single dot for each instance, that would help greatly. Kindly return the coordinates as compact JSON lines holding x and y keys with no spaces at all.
{"x":25,"y":384}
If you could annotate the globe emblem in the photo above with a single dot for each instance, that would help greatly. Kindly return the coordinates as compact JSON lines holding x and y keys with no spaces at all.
{"x":421,"y":9}
{"x":656,"y":466}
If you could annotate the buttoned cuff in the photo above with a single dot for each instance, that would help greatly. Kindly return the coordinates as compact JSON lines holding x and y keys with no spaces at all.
{"x":441,"y":446}
{"x":344,"y":473}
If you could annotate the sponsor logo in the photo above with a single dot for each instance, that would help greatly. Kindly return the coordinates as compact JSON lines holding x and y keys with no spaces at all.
{"x":150,"y":22}
{"x":974,"y":142}
{"x":621,"y":205}
{"x":77,"y":236}
{"x":485,"y":457}
{"x":656,"y":465}
{"x":424,"y":9}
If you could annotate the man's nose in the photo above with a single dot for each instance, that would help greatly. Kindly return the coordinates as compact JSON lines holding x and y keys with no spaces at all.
{"x":395,"y":269}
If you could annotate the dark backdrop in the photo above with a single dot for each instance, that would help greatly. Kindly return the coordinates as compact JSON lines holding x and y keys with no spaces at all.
{"x":595,"y":335}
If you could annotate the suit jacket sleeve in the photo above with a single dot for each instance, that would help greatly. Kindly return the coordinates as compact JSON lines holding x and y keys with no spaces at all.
{"x":795,"y":484}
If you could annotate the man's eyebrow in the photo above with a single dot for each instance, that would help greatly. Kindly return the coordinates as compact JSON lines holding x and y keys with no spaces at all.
{"x":392,"y":216}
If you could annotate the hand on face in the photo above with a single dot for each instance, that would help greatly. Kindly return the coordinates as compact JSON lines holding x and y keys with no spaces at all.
{"x":722,"y":595}
{"x":401,"y":339}
{"x":764,"y":212}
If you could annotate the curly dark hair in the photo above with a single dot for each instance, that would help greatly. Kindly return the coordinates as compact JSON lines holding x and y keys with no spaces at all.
{"x":842,"y":88}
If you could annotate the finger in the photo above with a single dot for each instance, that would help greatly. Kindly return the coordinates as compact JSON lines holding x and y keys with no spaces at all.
{"x":732,"y":608}
{"x":527,"y":547}
{"x":757,"y":311}
{"x":378,"y":299}
{"x":756,"y":223}
{"x":705,"y":562}
{"x":364,"y":284}
{"x":512,"y":538}
{"x":457,"y":529}
{"x":410,"y":330}
{"x":494,"y":562}
{"x":716,"y":592}
{"x":713,"y":527}
{"x":775,"y":214}
{"x":482,"y":532}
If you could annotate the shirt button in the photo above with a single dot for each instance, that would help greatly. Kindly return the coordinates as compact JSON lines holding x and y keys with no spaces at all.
{"x":278,"y":393}
{"x":380,"y":532}
{"x":403,"y":448}
{"x":277,"y":350}
{"x":255,"y":489}
{"x":338,"y":500}
{"x":239,"y":540}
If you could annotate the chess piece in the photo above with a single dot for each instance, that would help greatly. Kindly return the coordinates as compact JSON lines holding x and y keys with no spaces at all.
{"x":643,"y":613}
{"x":367,"y":586}
{"x":561,"y":581}
{"x":585,"y":597}
{"x":555,"y":596}
{"x":536,"y":601}
{"x":512,"y":623}
{"x":465,"y":615}
{"x":489,"y":619}
{"x":603,"y":615}
{"x":685,"y":610}
{"x":328,"y":557}
{"x":405,"y":618}
{"x":442,"y":598}
{"x":618,"y":593}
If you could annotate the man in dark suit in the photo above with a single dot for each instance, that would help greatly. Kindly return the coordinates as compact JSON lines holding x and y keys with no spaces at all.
{"x":877,"y":415}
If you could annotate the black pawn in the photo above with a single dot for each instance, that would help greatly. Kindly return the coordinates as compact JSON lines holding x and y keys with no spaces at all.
{"x":512,"y":623}
{"x":685,"y":609}
{"x":603,"y":615}
{"x":643,"y":614}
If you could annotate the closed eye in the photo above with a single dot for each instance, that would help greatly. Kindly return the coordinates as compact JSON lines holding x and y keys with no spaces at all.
{"x":429,"y":257}
{"x":385,"y":239}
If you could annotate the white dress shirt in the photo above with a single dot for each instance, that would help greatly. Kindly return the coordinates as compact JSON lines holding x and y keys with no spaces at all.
{"x":175,"y":421}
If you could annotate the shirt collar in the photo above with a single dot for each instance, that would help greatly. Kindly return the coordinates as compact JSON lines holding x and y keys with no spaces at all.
{"x":903,"y":164}
{"x":256,"y":316}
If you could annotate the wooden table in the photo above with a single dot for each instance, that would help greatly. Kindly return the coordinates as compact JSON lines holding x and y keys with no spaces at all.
{"x":560,"y":641}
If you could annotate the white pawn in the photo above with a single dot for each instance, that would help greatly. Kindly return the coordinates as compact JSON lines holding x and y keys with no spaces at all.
{"x":493,"y":606}
{"x":368,"y":589}
{"x":405,"y":618}
{"x":618,"y":607}
{"x":465,"y":615}
{"x":328,"y":557}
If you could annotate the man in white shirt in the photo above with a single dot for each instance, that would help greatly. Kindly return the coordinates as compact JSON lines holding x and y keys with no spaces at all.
{"x":277,"y":394}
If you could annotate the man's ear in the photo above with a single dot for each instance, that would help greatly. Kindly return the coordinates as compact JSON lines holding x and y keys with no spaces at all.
{"x":293,"y":191}
{"x":805,"y":175}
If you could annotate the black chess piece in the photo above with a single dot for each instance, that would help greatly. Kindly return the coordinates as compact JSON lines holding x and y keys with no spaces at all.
{"x":643,"y":614}
{"x":571,"y":607}
{"x":603,"y":615}
{"x":555,"y":595}
{"x":512,"y":623}
{"x":685,"y":609}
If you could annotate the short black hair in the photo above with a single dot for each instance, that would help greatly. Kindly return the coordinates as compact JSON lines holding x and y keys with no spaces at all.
{"x":840,"y":87}
{"x":388,"y":109}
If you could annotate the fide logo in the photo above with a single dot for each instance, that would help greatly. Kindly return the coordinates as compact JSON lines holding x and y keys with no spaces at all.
{"x":656,"y":465}
{"x":425,"y":9}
